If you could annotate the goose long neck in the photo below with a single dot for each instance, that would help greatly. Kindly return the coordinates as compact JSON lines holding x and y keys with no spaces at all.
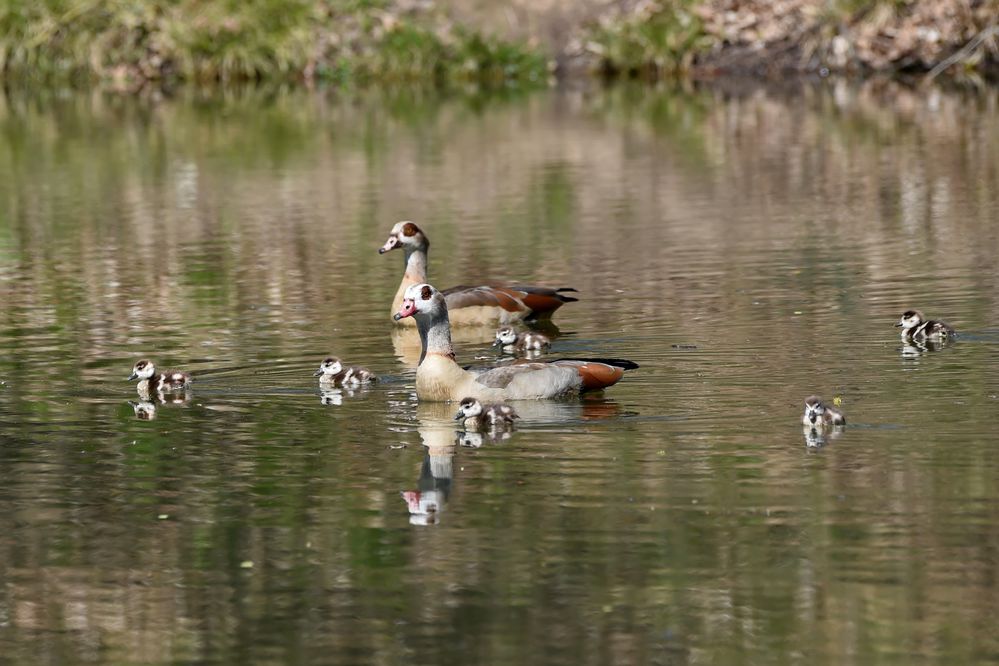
{"x":435,"y":335}
{"x":415,"y":273}
{"x":416,"y":265}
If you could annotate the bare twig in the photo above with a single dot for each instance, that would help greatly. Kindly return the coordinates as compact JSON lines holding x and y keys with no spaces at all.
{"x":962,"y":53}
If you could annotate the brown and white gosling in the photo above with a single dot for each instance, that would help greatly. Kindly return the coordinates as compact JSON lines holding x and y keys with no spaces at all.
{"x":152,"y":382}
{"x":477,"y":416}
{"x":332,"y":372}
{"x":526,"y":341}
{"x":818,"y":414}
{"x":917,"y":327}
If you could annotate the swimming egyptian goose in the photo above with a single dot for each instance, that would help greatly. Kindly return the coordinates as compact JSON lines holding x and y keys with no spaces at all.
{"x":818,"y":414}
{"x":484,"y":305}
{"x":917,"y":327}
{"x":439,"y":378}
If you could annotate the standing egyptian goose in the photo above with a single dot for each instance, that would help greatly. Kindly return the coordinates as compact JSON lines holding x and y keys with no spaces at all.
{"x":439,"y":378}
{"x":484,"y":305}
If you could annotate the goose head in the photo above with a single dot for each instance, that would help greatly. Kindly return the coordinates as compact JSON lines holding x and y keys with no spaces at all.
{"x":910,"y":319}
{"x":468,"y":408}
{"x":421,"y":300}
{"x":406,"y":235}
{"x":505,"y":336}
{"x":814,"y":409}
{"x":330,"y":366}
{"x":144,"y":369}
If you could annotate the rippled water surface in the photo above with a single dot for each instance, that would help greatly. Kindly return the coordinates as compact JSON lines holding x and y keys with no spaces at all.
{"x":747,"y":249}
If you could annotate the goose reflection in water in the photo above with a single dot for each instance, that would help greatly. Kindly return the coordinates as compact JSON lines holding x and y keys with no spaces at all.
{"x":336,"y":396}
{"x":916,"y":348}
{"x":433,"y":488}
{"x":146,"y":408}
{"x":440,"y":437}
{"x":475,"y":439}
{"x":816,"y":438}
{"x":407,"y":346}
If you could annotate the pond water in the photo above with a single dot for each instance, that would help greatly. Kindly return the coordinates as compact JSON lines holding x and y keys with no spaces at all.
{"x":747,"y":248}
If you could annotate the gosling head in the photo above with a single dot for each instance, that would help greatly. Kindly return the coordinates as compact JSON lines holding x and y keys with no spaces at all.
{"x":814,"y":410}
{"x":406,"y":235}
{"x":910,"y":319}
{"x":468,"y":408}
{"x":329,"y":367}
{"x":505,"y":336}
{"x":144,"y":369}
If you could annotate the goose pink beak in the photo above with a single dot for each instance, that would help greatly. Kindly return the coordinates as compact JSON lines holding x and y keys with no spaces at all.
{"x":408,"y":309}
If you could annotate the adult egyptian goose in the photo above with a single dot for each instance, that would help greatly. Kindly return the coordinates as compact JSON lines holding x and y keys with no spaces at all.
{"x":489,"y":304}
{"x":439,"y":378}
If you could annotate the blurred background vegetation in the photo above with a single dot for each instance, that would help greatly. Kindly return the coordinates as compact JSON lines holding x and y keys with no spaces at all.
{"x":130,"y":43}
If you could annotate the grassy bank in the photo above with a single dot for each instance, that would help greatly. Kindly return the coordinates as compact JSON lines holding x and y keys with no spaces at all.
{"x":131,"y":43}
{"x":128,"y":43}
{"x":653,"y":38}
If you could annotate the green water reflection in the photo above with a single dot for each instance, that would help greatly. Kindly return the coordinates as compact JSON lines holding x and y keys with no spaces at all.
{"x":747,"y":248}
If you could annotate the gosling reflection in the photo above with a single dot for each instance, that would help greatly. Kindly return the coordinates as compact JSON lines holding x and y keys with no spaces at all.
{"x":912,"y":348}
{"x":144,"y":410}
{"x":329,"y":395}
{"x":147,"y":407}
{"x":816,"y":438}
{"x":475,"y":440}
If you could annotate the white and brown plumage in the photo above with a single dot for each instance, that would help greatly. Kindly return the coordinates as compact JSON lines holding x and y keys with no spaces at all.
{"x":152,"y":382}
{"x":332,"y":372}
{"x":476,"y":415}
{"x":818,"y":414}
{"x":917,"y":327}
{"x":439,"y":378}
{"x":525,"y":341}
{"x":485,"y":304}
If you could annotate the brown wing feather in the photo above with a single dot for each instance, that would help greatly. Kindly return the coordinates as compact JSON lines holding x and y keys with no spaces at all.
{"x":595,"y":375}
{"x":466,"y":297}
{"x":512,"y":298}
{"x":541,"y":304}
{"x":541,"y":300}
